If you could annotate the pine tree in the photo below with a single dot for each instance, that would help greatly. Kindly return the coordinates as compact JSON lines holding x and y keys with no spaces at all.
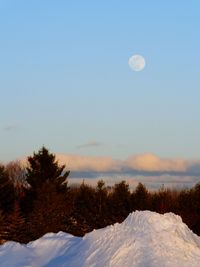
{"x":139,"y":198}
{"x":3,"y":228}
{"x":44,"y":167}
{"x":50,"y":211}
{"x":101,"y":195}
{"x":7,"y":192}
{"x":84,"y":209}
{"x":120,"y":201}
{"x":101,"y":201}
{"x":16,"y":226}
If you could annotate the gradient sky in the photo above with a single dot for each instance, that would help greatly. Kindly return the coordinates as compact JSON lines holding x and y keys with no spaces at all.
{"x":66,"y":84}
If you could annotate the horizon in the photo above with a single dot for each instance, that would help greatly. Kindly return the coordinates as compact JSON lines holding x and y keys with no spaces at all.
{"x":148,"y":169}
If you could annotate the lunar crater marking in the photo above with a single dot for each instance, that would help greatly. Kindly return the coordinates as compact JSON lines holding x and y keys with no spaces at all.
{"x":136,"y":62}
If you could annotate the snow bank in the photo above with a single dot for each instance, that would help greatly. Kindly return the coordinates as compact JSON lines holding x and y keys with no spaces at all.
{"x":144,"y":239}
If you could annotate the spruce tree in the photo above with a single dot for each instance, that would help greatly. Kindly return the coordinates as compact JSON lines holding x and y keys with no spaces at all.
{"x":16,"y":226}
{"x":3,"y":228}
{"x":120,"y":201}
{"x":42,"y":170}
{"x":140,"y":198}
{"x":7,"y":192}
{"x":101,"y":202}
{"x":43,"y":167}
{"x":50,"y":211}
{"x":45,"y":203}
{"x":84,"y":209}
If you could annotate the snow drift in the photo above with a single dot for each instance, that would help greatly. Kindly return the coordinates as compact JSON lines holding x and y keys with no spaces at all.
{"x":144,"y":239}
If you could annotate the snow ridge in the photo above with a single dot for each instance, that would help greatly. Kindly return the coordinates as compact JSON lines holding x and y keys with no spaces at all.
{"x":144,"y":239}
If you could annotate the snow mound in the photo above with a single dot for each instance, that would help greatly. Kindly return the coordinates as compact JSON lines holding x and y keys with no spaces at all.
{"x":144,"y":239}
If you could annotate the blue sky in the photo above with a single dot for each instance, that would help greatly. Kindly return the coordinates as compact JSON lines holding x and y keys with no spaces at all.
{"x":66,"y":84}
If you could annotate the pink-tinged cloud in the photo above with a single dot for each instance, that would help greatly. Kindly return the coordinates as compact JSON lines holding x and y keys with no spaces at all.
{"x":86,"y":163}
{"x":149,"y":162}
{"x":142,"y":163}
{"x":146,"y":163}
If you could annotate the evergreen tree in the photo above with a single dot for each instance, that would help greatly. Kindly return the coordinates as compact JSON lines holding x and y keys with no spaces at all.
{"x":3,"y":228}
{"x":120,"y":201}
{"x":140,"y":198}
{"x":44,"y":167}
{"x":164,"y":200}
{"x":101,"y":195}
{"x":16,"y":226}
{"x":101,"y":203}
{"x":196,"y":198}
{"x":7,"y":193}
{"x":84,"y":209}
{"x":50,"y":211}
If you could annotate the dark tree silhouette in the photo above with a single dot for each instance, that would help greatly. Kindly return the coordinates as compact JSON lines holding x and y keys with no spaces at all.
{"x":7,"y":192}
{"x":140,"y":198}
{"x":3,"y":228}
{"x":16,"y":226}
{"x":47,"y":204}
{"x":120,"y":201}
{"x":44,"y":167}
{"x":84,"y":208}
{"x":50,"y":211}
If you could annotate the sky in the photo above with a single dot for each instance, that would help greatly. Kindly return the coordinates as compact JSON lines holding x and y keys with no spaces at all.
{"x":66,"y":84}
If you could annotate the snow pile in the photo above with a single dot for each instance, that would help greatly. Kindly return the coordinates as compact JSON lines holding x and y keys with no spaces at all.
{"x":144,"y":239}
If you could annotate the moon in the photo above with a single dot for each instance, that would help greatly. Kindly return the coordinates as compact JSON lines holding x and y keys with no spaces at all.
{"x":136,"y":62}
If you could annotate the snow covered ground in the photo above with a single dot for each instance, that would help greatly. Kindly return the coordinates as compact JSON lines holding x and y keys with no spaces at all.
{"x":144,"y":239}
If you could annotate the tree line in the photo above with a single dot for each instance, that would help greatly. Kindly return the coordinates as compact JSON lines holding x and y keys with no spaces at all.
{"x":37,"y":199}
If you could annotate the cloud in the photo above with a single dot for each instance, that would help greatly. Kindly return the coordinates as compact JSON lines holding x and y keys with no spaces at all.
{"x":86,"y":163}
{"x":151,"y":163}
{"x":11,"y":127}
{"x":145,"y":164}
{"x":90,"y":144}
{"x":146,"y":168}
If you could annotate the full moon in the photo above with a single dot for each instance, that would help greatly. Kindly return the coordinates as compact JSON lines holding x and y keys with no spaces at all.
{"x":136,"y":62}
